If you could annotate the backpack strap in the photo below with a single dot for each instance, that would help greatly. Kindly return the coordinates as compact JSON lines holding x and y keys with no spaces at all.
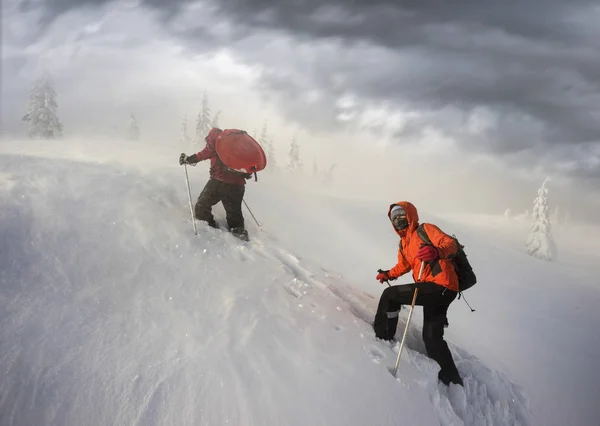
{"x":435,"y":264}
{"x":423,"y":234}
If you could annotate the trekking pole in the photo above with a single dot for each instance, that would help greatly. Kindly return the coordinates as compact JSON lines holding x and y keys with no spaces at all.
{"x":187,"y":180}
{"x":246,"y":204}
{"x":412,"y":308}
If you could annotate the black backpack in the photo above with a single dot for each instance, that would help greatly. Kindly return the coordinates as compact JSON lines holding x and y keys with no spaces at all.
{"x":464,"y":271}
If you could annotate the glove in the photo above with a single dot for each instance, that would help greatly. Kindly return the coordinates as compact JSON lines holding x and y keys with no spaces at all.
{"x":427,"y":253}
{"x":384,"y":276}
{"x":187,"y":160}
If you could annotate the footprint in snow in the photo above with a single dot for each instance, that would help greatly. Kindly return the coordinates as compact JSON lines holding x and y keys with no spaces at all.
{"x":296,"y":288}
{"x":292,"y":263}
{"x":243,"y":254}
{"x":375,"y":354}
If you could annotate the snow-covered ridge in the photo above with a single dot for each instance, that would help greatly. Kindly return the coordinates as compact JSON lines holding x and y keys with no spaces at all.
{"x":114,"y":313}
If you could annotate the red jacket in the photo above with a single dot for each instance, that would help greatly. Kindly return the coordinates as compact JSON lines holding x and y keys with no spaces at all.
{"x":218,"y":170}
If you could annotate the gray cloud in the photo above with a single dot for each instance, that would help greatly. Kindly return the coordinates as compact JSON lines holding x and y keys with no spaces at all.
{"x":54,"y":8}
{"x":533,"y":68}
{"x":503,"y":55}
{"x":404,"y":23}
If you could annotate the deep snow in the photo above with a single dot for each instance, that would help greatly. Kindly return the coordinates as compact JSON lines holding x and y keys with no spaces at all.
{"x":114,"y":313}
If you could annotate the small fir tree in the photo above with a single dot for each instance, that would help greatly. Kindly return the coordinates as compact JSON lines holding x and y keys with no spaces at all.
{"x":294,"y":163}
{"x":540,"y":242}
{"x":215,"y":120}
{"x":134,"y":130}
{"x":184,"y":138}
{"x":328,"y":174}
{"x":267,"y":144}
{"x":555,"y":218}
{"x":41,"y":116}
{"x":204,"y":121}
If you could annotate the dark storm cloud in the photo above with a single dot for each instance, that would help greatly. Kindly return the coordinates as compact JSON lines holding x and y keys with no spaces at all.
{"x":54,"y":8}
{"x":518,"y":58}
{"x":394,"y":22}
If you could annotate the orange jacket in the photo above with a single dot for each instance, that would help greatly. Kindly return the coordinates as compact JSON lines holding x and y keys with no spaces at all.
{"x":440,"y":271}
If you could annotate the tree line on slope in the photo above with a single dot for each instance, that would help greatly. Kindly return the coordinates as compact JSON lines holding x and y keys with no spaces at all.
{"x":205,"y":121}
{"x":44,"y":123}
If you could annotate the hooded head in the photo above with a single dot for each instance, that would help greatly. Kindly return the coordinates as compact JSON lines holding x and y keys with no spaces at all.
{"x":211,"y":137}
{"x":400,"y":210}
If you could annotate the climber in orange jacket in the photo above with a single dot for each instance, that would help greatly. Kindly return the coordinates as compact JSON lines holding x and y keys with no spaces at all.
{"x":438,"y":286}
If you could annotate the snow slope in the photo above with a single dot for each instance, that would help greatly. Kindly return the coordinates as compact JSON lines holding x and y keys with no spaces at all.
{"x":114,"y":313}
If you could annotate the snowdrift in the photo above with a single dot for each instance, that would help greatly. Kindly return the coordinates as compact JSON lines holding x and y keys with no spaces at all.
{"x":114,"y":313}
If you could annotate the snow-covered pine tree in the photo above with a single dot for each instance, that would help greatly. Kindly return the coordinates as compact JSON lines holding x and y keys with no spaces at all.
{"x":508,"y":213}
{"x":267,"y":144}
{"x":184,"y":138}
{"x":294,"y":162}
{"x":134,"y":130}
{"x":215,"y":120}
{"x":315,"y":168}
{"x":271,"y":155}
{"x":263,"y":139}
{"x":540,"y":243}
{"x":555,"y":218}
{"x":328,"y":175}
{"x":203,"y":121}
{"x":41,"y":115}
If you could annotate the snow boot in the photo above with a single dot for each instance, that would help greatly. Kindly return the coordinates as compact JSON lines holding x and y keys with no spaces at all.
{"x":447,"y":377}
{"x":385,"y":325}
{"x":240,"y":233}
{"x":385,"y":329}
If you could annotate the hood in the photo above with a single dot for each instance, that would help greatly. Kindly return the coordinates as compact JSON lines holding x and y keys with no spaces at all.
{"x":411,"y":215}
{"x":212,"y":136}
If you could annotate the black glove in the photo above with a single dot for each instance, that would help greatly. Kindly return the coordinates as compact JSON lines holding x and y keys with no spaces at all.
{"x":187,"y":160}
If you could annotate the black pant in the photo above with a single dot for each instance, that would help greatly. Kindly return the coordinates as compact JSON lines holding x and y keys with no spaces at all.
{"x":229,"y":194}
{"x":435,"y":300}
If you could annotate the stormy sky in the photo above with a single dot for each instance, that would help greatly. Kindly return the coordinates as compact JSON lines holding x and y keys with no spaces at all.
{"x":518,"y":82}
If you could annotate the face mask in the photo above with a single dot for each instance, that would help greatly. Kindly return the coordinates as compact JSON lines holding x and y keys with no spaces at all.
{"x":400,"y":222}
{"x":398,"y":218}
